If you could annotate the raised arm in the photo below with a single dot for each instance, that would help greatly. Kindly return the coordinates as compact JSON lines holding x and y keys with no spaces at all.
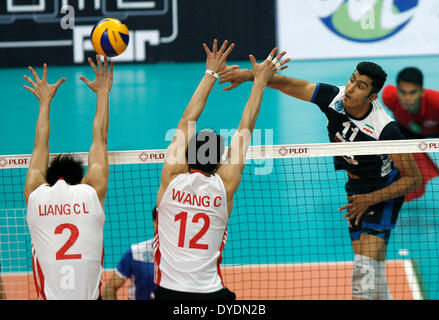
{"x":300,"y":89}
{"x":231,"y":171}
{"x":45,"y":92}
{"x":175,"y":161}
{"x":98,"y":169}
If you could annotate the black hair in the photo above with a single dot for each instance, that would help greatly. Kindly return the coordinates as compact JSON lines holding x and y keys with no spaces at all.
{"x":66,"y":167}
{"x":205,"y":150}
{"x":412,"y":75}
{"x":154,"y":214}
{"x":374,"y":72}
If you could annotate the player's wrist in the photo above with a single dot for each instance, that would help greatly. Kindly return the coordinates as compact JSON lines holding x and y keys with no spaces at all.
{"x":212,"y":73}
{"x":248,"y":75}
{"x":260,"y":82}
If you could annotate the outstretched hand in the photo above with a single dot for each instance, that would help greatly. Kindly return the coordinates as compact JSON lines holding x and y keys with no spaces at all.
{"x":216,"y":60}
{"x":104,"y":76}
{"x":40,"y":87}
{"x":266,"y":70}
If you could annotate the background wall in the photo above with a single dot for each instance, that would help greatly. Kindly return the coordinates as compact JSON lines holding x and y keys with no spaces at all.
{"x":161,"y":30}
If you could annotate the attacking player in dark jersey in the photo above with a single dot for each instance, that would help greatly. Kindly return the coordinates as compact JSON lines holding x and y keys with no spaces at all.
{"x":377,"y":183}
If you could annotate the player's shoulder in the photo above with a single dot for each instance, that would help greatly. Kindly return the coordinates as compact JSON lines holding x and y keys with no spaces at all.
{"x":432,"y":97}
{"x":389,"y":95}
{"x":84,"y":189}
{"x":143,"y":251}
{"x":42,"y":188}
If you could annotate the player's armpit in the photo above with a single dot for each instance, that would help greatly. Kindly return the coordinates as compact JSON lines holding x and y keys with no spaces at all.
{"x":97,"y":177}
{"x":34,"y":179}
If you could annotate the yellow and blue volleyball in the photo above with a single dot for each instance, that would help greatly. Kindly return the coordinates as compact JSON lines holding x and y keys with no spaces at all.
{"x":110,"y":37}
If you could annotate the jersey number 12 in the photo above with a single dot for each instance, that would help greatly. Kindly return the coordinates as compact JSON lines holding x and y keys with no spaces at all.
{"x":193,"y":243}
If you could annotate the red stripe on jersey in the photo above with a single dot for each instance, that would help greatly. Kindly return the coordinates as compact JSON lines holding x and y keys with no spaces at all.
{"x":102,"y":265}
{"x":38,"y":277}
{"x":157,"y":255}
{"x":157,"y":258}
{"x":199,"y":171}
{"x":41,"y":276}
{"x":37,"y":286}
{"x":220,"y":258}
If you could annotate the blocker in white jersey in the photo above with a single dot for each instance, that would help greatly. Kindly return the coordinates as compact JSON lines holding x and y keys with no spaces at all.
{"x":195,"y":198}
{"x":192,"y":231}
{"x":66,"y":225}
{"x":65,"y":211}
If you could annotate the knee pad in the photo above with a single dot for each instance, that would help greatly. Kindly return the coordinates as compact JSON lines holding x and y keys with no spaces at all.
{"x":364,"y":277}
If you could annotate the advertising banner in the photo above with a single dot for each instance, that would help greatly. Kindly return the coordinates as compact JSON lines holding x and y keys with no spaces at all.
{"x":320,"y":29}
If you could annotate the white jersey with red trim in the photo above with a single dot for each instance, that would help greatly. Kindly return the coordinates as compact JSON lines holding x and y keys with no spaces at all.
{"x":192,"y":222}
{"x":66,"y":224}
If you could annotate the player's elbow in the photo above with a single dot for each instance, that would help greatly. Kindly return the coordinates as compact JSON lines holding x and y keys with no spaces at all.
{"x":417,"y":181}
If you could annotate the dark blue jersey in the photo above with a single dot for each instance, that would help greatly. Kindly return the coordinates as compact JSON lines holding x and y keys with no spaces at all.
{"x":137,"y":264}
{"x":375,"y":125}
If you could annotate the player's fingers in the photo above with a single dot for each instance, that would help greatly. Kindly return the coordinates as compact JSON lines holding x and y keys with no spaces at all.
{"x":60,"y":82}
{"x":357,"y":221}
{"x":285,"y":61}
{"x":206,"y":49}
{"x":350,"y":214}
{"x":92,"y":65}
{"x":226,"y":76}
{"x":30,"y":89}
{"x":228,"y":69}
{"x":34,"y":74}
{"x":230,"y":87}
{"x":252,"y":59}
{"x":99,"y":62}
{"x":279,"y":56}
{"x":112,"y":67}
{"x":45,"y":72}
{"x":215,"y":46}
{"x":30,"y":81}
{"x":106,"y":64}
{"x":223,"y":47}
{"x":228,"y":51}
{"x":273,"y":53}
{"x":87,"y":82}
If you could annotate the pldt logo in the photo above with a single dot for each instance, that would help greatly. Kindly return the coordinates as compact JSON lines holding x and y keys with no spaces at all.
{"x":367,"y":20}
{"x":13,"y":162}
{"x":424,"y":146}
{"x":154,"y":23}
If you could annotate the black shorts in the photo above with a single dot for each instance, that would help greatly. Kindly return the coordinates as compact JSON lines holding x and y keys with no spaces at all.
{"x":166,"y":294}
{"x":378,"y":219}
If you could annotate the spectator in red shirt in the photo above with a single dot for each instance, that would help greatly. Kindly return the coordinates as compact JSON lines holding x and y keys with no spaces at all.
{"x":416,"y":110}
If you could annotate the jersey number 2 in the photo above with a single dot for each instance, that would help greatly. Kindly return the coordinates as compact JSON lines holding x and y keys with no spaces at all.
{"x":74,"y":234}
{"x":193,"y":243}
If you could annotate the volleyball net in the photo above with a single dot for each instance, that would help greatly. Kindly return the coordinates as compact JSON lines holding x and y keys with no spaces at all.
{"x":286,"y":236}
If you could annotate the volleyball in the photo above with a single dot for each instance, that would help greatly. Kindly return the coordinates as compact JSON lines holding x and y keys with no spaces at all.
{"x":110,"y":37}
